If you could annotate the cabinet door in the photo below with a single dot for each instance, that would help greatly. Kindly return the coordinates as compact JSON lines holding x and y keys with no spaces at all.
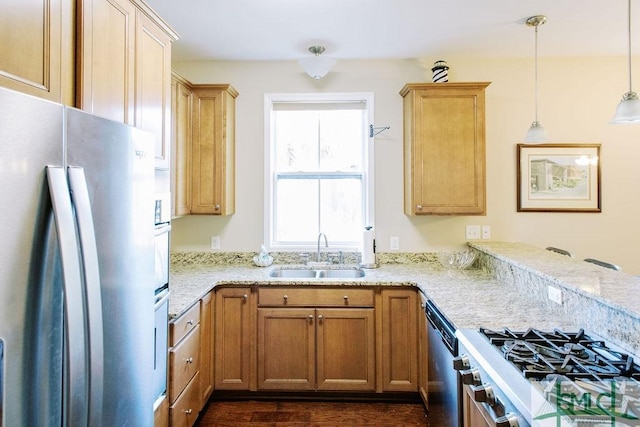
{"x":153,"y":86}
{"x":184,"y":363}
{"x":206,"y":347}
{"x":286,"y":348}
{"x":234,"y":335}
{"x":106,"y":78}
{"x":444,"y":149}
{"x":181,"y":146}
{"x":473,"y":414}
{"x":345,"y":356}
{"x":36,"y":48}
{"x":213,"y":150}
{"x":423,"y":352}
{"x":399,"y":340}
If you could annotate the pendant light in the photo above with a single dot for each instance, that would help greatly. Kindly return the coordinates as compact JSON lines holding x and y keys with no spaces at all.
{"x":317,"y":66}
{"x":536,"y":132}
{"x":628,"y":110}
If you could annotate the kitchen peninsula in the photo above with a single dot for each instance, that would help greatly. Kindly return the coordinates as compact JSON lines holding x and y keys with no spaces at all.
{"x":508,"y":287}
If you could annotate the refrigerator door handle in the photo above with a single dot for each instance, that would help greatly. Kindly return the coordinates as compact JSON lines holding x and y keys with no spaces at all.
{"x":89,"y":253}
{"x":76,"y":408}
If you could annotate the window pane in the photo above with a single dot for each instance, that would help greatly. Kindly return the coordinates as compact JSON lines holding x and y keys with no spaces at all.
{"x":319,"y":140}
{"x":337,"y":201}
{"x":341,"y":209}
{"x":296,"y":210}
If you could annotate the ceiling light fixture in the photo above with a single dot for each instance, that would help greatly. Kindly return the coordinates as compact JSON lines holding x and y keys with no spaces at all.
{"x":317,"y":66}
{"x":536,"y":132}
{"x":628,"y":110}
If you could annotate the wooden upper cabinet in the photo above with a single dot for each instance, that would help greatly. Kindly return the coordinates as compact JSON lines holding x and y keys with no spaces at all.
{"x":124,"y":67}
{"x":106,"y":73}
{"x":213,"y":150}
{"x":37,"y":48}
{"x":444,"y":148}
{"x":181,"y":112}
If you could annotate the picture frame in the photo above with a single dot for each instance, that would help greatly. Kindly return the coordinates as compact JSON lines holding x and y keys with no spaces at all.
{"x":558,"y":178}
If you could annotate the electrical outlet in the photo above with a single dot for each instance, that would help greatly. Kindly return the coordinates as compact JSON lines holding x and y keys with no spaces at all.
{"x":555,"y":294}
{"x":486,"y":232}
{"x":394,"y":243}
{"x":215,"y":242}
{"x":473,"y":232}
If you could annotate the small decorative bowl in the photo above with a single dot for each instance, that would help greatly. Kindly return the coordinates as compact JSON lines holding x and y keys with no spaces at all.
{"x":263,"y":261}
{"x":457,"y":260}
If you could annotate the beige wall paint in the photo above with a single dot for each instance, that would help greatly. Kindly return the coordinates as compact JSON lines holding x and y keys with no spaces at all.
{"x":577,"y":98}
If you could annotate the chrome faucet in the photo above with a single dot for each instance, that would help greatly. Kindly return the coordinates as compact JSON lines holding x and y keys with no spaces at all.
{"x":326,"y":244}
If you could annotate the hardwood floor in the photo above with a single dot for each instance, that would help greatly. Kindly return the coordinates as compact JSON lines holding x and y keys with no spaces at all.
{"x":289,"y":413}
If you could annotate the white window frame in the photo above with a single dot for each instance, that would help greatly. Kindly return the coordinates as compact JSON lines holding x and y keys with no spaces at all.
{"x":269,"y":163}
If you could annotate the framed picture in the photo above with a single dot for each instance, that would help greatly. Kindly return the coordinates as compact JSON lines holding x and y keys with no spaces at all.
{"x":558,"y":178}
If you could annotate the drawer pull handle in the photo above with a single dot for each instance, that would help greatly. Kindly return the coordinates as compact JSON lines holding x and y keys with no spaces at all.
{"x":346,"y":298}
{"x":285,"y":297}
{"x":188,"y":411}
{"x":190,"y":322}
{"x":190,"y":360}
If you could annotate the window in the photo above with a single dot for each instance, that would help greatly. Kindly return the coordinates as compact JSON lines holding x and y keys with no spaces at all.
{"x":319,"y":169}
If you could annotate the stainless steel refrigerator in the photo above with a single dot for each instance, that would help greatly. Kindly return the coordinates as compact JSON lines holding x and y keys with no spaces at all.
{"x":76,"y":267}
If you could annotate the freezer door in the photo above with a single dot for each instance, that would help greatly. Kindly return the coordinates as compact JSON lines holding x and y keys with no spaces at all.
{"x":118,"y":165}
{"x":30,"y":287}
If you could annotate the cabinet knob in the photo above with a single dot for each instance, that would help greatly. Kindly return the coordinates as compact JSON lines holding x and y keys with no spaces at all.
{"x":285,"y":297}
{"x":320,"y":317}
{"x":245,"y":297}
{"x":311,"y":317}
{"x":188,"y":411}
{"x":217,"y":207}
{"x":346,"y":298}
{"x":190,"y":360}
{"x":419,"y":207}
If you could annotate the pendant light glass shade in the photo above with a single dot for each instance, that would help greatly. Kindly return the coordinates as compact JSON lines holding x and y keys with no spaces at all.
{"x":628,"y":110}
{"x":316,"y":66}
{"x":536,"y":132}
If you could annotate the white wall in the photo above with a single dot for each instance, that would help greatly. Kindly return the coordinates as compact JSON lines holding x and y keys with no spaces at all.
{"x":577,"y":98}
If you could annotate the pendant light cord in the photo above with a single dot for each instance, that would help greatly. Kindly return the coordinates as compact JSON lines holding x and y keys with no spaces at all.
{"x":536,"y":73}
{"x":629,"y":40}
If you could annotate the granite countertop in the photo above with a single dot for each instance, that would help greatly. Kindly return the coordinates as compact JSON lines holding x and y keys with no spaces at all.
{"x":508,"y":287}
{"x":470,"y":298}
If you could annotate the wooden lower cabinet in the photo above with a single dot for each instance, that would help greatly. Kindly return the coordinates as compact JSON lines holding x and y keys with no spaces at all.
{"x":161,"y":414}
{"x":206,"y":348}
{"x":316,"y":349}
{"x":473,"y":414}
{"x":184,"y":411}
{"x":423,"y":353}
{"x":399,"y":336}
{"x":234,"y":339}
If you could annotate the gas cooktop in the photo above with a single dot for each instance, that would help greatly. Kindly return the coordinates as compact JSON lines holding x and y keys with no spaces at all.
{"x":566,"y":378}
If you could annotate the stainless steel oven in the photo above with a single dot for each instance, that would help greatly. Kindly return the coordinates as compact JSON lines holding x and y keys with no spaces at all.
{"x":161,"y":298}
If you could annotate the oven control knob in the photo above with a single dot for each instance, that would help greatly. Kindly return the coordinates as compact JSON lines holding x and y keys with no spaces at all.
{"x":471,"y":376}
{"x":461,"y":362}
{"x":508,"y":420}
{"x":484,"y":393}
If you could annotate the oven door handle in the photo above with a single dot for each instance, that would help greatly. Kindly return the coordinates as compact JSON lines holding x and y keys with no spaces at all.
{"x":161,"y":298}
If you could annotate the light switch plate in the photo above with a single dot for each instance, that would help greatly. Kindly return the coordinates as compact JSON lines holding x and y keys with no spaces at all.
{"x":486,"y":232}
{"x":215,"y":242}
{"x":394,"y":243}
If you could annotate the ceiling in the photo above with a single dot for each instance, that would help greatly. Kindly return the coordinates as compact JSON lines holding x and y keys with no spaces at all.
{"x":262,"y":30}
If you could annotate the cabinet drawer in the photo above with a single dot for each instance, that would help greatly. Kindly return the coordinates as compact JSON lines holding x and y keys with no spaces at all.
{"x":317,"y":297}
{"x":183,"y":325}
{"x":184,"y":362}
{"x":184,"y":411}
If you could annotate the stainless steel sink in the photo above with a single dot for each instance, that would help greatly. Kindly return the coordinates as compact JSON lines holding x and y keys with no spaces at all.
{"x":341,"y":274}
{"x":292,"y":273}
